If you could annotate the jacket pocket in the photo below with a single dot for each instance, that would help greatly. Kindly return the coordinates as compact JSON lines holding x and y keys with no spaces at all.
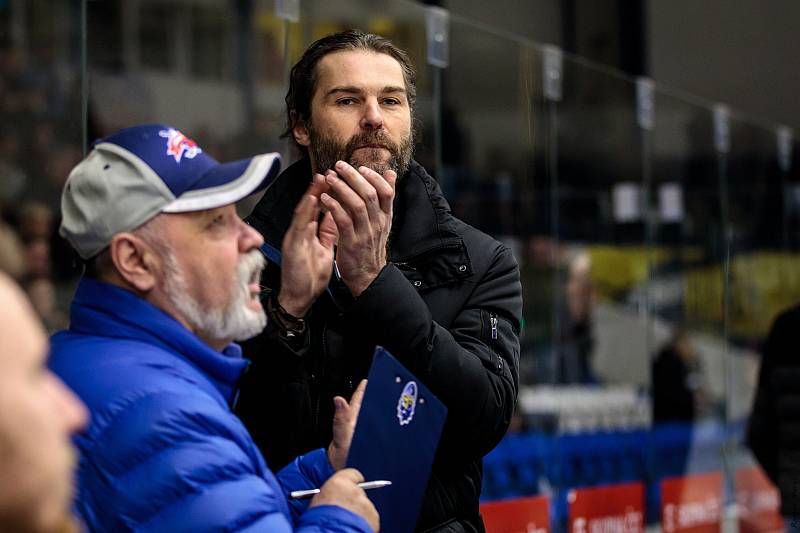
{"x":490,"y":336}
{"x":440,"y":265}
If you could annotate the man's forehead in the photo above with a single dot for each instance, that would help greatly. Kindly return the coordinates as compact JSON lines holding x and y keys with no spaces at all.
{"x":22,"y":339}
{"x":355,"y":68}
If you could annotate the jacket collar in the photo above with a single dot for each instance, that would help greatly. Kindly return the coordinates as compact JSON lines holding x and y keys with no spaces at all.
{"x":105,"y":310}
{"x":422,"y":219}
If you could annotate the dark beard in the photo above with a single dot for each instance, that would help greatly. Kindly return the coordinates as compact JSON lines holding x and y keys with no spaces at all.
{"x":327,"y":151}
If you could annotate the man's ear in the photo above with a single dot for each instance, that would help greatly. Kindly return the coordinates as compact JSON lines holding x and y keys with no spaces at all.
{"x":300,"y":130}
{"x":135,"y":261}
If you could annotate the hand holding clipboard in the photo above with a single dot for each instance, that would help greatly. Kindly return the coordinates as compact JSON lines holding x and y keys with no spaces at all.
{"x":395,"y":439}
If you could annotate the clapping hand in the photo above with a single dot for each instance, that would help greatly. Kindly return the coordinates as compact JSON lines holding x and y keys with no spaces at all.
{"x":307,"y":253}
{"x":360,"y":202}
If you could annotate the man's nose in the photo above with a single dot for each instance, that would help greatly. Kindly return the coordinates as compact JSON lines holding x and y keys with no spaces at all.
{"x":372,"y":118}
{"x":72,"y":410}
{"x":250,"y":238}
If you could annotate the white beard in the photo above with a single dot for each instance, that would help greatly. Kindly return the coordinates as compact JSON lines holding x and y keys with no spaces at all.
{"x":236,"y":320}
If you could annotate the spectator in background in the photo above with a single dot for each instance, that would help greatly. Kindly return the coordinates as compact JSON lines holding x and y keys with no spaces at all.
{"x":41,"y":292}
{"x":172,"y":280}
{"x":35,"y":226}
{"x":35,"y":221}
{"x":63,"y":156}
{"x":677,"y":390}
{"x":37,"y":416}
{"x":773,"y":431}
{"x":12,"y":176}
{"x":12,"y":260}
{"x":37,"y":258}
{"x":575,"y":343}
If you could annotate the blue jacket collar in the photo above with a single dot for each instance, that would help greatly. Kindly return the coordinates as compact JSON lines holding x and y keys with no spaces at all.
{"x":106,"y":310}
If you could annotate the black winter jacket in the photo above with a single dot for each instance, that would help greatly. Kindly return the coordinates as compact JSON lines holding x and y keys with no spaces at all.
{"x":448,"y":306}
{"x":774,"y":427}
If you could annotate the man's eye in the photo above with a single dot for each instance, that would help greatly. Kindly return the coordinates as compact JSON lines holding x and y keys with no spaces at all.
{"x":217,"y":220}
{"x":392,"y":101}
{"x":346,"y":101}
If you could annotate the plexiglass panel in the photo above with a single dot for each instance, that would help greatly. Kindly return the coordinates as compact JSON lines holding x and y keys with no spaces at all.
{"x":40,"y":141}
{"x":217,"y":72}
{"x":492,"y":162}
{"x":657,"y":234}
{"x":601,"y":344}
{"x":686,"y":294}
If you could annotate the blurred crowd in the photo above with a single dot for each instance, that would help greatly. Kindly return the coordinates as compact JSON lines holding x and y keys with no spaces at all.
{"x":39,"y":143}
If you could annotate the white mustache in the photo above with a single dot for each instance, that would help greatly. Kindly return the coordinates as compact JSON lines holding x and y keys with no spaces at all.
{"x":250,"y":267}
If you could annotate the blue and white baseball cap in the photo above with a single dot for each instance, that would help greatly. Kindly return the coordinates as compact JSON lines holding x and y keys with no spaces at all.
{"x":136,"y":173}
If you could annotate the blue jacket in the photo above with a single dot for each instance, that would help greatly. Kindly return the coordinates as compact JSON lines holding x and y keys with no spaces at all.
{"x":163,"y":451}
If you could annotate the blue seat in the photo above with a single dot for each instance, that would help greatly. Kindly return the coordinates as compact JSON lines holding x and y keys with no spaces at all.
{"x":526,"y":462}
{"x":497,"y":478}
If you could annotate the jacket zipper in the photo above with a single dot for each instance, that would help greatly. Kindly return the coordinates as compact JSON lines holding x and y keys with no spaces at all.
{"x":493,"y":324}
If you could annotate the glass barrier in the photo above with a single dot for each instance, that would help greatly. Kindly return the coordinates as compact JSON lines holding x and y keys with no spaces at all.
{"x":656,"y":233}
{"x":217,"y":72}
{"x":601,"y":347}
{"x":491,"y":163}
{"x":689,"y":362}
{"x":40,"y":141}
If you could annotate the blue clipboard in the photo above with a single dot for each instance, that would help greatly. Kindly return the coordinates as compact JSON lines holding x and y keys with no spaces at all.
{"x":396,"y":436}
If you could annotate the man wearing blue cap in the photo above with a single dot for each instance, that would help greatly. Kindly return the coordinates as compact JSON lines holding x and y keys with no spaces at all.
{"x":171,"y":281}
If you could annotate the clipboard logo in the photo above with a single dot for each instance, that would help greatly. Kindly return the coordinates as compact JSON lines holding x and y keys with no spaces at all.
{"x":407,"y":403}
{"x":399,"y":449}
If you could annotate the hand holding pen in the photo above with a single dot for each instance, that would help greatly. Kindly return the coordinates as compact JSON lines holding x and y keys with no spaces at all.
{"x":342,"y":490}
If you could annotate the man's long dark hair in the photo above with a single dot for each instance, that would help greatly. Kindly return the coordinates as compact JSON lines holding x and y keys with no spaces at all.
{"x":303,"y":77}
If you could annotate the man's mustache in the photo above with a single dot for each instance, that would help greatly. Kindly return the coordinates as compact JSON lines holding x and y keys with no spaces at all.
{"x":377,"y":138}
{"x":250,"y":266}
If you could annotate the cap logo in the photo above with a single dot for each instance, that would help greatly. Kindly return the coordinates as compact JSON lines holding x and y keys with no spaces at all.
{"x":179,"y":145}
